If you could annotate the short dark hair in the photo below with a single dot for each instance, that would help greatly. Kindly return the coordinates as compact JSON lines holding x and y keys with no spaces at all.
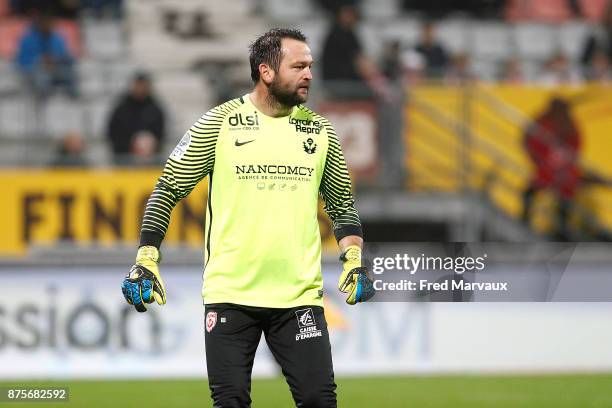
{"x":266,"y":49}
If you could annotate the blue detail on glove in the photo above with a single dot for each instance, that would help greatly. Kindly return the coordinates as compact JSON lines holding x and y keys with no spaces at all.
{"x":137,"y":287}
{"x":358,"y":285}
{"x":146,"y":290}
{"x":358,"y":291}
{"x":365,"y":287}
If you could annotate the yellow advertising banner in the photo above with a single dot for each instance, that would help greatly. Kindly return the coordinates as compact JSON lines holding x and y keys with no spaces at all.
{"x":44,"y":208}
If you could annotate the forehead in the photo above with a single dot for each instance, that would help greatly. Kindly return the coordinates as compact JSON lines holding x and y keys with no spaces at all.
{"x":294,"y":50}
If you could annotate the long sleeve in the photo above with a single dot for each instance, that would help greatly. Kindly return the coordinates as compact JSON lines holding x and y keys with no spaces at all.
{"x":335,"y":189}
{"x":191,"y":161}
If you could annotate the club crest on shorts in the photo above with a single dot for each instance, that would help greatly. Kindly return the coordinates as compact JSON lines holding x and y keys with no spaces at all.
{"x":305,"y":317}
{"x":307,"y":326}
{"x":211,"y":321}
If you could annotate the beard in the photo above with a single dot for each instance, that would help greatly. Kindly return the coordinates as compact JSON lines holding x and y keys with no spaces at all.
{"x":283,"y":94}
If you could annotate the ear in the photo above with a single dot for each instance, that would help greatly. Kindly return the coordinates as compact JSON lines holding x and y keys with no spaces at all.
{"x":266,"y":73}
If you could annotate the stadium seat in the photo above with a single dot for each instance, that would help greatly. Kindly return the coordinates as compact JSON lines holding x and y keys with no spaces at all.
{"x":593,"y":10}
{"x":97,"y":113}
{"x":11,"y":31}
{"x":93,"y":81}
{"x":4,"y":8}
{"x":453,"y":34}
{"x":235,"y":8}
{"x":551,"y":11}
{"x":315,"y":31}
{"x":535,"y":41}
{"x":370,"y":35}
{"x":62,"y":115}
{"x":530,"y":69}
{"x":70,"y":31}
{"x":406,"y":30}
{"x":10,"y":82}
{"x":104,"y":40}
{"x":190,"y":97}
{"x":572,"y":37}
{"x":121,"y":73}
{"x":141,"y":14}
{"x":380,"y":9}
{"x":491,"y":41}
{"x":288,"y":10}
{"x":14,"y":114}
{"x":484,"y":70}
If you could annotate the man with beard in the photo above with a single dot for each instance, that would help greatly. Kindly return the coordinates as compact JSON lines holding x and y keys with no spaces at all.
{"x":268,"y":158}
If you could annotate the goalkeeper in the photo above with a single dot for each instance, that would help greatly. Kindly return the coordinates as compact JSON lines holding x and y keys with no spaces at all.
{"x":268,"y":158}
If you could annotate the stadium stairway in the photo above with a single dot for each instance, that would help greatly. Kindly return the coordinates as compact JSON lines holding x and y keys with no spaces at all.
{"x":469,"y":140}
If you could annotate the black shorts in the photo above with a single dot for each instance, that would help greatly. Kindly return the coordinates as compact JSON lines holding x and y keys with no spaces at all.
{"x":297,"y":337}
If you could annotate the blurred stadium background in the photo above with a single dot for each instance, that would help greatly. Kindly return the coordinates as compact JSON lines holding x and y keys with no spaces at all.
{"x":462,"y":121}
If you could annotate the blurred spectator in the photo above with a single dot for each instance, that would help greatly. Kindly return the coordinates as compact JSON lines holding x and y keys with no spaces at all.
{"x":599,"y":69}
{"x":434,"y":54}
{"x":553,"y":144}
{"x":600,"y":40}
{"x":459,"y":70}
{"x":347,"y":72}
{"x":512,"y":72}
{"x":104,"y":8}
{"x":70,"y":152}
{"x":144,"y":149}
{"x":558,"y":71}
{"x":44,"y":60}
{"x":391,"y":64}
{"x":138,"y":110}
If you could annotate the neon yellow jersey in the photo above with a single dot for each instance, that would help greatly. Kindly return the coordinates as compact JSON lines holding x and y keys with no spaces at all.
{"x":262,"y":243}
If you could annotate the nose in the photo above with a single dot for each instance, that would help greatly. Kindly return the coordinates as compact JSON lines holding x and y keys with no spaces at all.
{"x":308,"y":74}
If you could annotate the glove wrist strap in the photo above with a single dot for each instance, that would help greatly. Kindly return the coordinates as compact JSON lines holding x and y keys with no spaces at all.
{"x":351,"y":256}
{"x":147,"y":253}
